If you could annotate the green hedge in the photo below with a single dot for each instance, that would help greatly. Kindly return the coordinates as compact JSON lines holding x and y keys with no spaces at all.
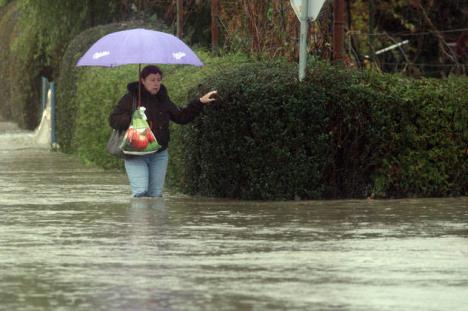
{"x":339,"y":134}
{"x":256,"y":138}
{"x":424,"y":152}
{"x":8,"y":60}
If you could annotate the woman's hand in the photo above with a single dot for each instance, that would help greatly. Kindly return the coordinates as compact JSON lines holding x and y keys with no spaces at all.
{"x":208,"y":98}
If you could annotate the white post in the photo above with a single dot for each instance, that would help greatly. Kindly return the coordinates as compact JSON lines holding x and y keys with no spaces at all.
{"x":306,"y":10}
{"x":303,"y":39}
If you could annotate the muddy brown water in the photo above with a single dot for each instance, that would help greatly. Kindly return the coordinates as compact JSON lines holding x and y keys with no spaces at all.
{"x":72,"y":239}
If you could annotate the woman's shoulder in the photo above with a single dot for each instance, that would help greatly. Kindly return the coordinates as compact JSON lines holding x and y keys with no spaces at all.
{"x":126,"y":99}
{"x":128,"y":95}
{"x":163,"y":94}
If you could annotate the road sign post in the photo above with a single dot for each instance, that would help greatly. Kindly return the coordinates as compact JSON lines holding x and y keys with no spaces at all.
{"x":305,"y":10}
{"x":303,"y":41}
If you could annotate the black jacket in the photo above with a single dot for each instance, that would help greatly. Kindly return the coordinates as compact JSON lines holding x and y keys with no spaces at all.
{"x":159,"y":111}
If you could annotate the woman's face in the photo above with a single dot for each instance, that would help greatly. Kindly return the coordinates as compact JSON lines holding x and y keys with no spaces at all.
{"x":152,"y":83}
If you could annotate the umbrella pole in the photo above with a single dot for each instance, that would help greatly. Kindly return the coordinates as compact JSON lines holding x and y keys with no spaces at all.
{"x":139,"y":85}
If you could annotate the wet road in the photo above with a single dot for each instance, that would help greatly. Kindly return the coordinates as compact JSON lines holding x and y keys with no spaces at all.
{"x":71,"y":239}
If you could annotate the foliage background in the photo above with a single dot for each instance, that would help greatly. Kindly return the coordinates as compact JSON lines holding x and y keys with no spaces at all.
{"x":8,"y":61}
{"x":340,"y":134}
{"x":40,"y":34}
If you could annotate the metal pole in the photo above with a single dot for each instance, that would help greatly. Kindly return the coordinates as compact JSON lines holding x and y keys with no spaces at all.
{"x":303,"y":40}
{"x":214,"y":24}
{"x":338,"y":30}
{"x":180,"y":18}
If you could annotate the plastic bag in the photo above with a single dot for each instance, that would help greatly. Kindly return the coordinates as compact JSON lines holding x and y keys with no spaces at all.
{"x":139,"y":139}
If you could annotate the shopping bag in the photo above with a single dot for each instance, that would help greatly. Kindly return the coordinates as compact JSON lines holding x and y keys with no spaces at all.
{"x":116,"y":138}
{"x":139,"y":139}
{"x":114,"y":143}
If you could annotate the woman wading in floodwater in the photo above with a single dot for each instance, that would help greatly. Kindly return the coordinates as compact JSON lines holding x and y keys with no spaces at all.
{"x":147,"y":173}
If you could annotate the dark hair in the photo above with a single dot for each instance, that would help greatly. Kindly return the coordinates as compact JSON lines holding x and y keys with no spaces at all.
{"x":150,"y":69}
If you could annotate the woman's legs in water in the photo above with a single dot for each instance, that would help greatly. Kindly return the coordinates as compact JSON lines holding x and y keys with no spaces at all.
{"x":137,"y":172}
{"x":147,"y":174}
{"x":157,"y":173}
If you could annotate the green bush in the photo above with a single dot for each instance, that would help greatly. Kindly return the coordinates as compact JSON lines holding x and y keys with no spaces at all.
{"x":339,"y":134}
{"x":263,"y":140}
{"x":424,"y":152}
{"x":8,"y":22}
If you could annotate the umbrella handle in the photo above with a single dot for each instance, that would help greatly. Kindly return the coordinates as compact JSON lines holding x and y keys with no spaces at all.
{"x":139,"y":85}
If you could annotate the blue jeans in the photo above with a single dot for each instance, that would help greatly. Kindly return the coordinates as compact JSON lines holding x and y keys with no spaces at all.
{"x":147,"y":173}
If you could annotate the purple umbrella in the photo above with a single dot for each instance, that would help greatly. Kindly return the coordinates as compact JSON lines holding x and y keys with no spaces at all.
{"x":138,"y":46}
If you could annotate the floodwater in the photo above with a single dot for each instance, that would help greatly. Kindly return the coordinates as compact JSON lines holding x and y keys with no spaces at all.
{"x":71,"y":239}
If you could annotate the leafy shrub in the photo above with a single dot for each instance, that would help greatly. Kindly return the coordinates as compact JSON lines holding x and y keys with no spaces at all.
{"x":424,"y":152}
{"x":264,"y":140}
{"x":8,"y":21}
{"x":339,"y":134}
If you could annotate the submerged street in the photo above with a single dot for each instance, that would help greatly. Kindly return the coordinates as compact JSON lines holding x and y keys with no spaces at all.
{"x":72,"y":239}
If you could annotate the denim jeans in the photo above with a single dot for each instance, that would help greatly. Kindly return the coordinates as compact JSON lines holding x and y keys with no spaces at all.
{"x":147,"y":173}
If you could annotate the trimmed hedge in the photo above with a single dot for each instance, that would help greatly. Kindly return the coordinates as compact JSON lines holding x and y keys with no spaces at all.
{"x":8,"y":60}
{"x":424,"y":152}
{"x":339,"y":134}
{"x":262,"y":141}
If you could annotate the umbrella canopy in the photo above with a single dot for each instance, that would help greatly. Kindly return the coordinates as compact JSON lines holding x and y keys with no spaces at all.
{"x":139,"y":46}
